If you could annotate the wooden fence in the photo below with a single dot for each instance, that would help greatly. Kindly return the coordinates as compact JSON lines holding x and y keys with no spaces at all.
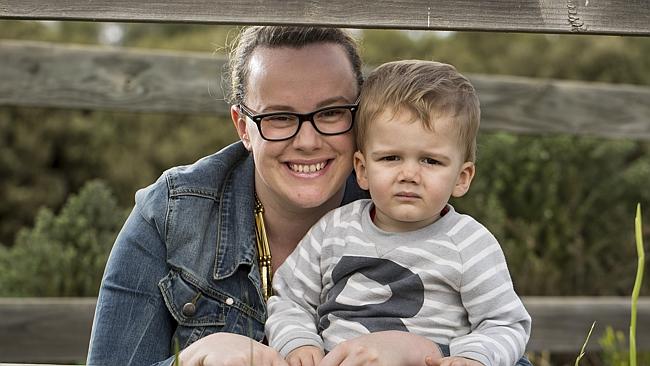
{"x":58,"y":329}
{"x":622,"y":17}
{"x":42,"y":74}
{"x":47,"y":75}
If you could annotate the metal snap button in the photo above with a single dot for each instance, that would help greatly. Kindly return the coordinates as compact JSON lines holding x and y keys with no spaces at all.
{"x":189,"y":309}
{"x":230,"y":301}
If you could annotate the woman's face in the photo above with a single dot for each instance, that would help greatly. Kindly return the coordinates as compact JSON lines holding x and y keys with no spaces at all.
{"x":308,"y":170}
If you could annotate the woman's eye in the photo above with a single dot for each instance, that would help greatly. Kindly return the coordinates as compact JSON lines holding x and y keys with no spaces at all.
{"x":332,"y":113}
{"x":278,"y":118}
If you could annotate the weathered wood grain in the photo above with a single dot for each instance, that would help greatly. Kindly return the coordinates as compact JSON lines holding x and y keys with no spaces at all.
{"x":629,"y":17}
{"x":537,"y":106}
{"x":49,"y":75}
{"x":58,"y":329}
{"x":561,"y":324}
{"x":45,"y":329}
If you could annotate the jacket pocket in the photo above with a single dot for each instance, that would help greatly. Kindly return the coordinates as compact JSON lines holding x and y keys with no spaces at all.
{"x":199,"y":312}
{"x":189,"y":305}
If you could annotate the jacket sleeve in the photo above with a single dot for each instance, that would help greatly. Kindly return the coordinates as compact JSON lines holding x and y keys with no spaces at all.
{"x":297,"y":289}
{"x":500,"y":325}
{"x":132,"y":324}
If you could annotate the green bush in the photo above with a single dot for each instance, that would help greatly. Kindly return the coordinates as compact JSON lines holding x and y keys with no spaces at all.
{"x":66,"y":148}
{"x":64,"y":254}
{"x":560,"y":207}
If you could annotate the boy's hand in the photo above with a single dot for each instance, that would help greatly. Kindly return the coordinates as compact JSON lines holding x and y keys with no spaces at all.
{"x":305,"y":356}
{"x":451,"y":361}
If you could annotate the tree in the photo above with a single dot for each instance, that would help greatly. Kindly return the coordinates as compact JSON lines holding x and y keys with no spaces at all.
{"x":64,"y":254}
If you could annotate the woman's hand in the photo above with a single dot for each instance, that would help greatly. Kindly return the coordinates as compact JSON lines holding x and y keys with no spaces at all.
{"x":228,"y":349}
{"x":388,"y":348}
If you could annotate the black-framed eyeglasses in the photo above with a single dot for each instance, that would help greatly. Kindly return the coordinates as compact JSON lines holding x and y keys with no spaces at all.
{"x":280,"y":126}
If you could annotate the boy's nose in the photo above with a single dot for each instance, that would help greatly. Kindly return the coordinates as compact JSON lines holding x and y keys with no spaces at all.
{"x":410,"y":172}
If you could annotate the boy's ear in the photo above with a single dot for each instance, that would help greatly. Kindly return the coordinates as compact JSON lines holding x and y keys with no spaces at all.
{"x":239,"y":120}
{"x":464,"y":179}
{"x":360,"y":169}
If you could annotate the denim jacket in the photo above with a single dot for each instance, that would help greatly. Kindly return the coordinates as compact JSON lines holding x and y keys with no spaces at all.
{"x":184,"y":264}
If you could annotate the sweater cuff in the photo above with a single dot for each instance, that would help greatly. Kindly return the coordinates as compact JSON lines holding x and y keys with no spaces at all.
{"x":299,"y":342}
{"x":476,"y":356}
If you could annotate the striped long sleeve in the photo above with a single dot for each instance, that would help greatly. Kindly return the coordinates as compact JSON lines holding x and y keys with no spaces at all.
{"x":499,"y":324}
{"x":297,"y":288}
{"x":448,"y":282}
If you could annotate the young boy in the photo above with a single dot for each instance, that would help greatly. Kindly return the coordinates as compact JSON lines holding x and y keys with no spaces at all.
{"x":405,"y":260}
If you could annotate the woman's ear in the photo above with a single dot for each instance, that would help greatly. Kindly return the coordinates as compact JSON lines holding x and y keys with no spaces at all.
{"x":464,"y":179}
{"x":360,"y":169}
{"x":240,"y":125}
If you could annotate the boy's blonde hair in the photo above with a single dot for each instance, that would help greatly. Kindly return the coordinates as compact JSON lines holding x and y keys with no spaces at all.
{"x":428,"y":90}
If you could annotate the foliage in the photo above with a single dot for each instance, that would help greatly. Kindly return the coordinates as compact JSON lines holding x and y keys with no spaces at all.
{"x":560,"y":206}
{"x":615,"y":349}
{"x":47,"y":154}
{"x":613,"y":342}
{"x":576,"y":57}
{"x":64,"y":254}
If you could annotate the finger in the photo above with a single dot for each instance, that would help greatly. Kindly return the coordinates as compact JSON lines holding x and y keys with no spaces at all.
{"x":301,"y":361}
{"x":431,"y":361}
{"x":280,"y":362}
{"x":317,"y":357}
{"x":218,"y":361}
{"x":264,"y":357}
{"x":334,"y":358}
{"x":354,"y":359}
{"x":273,"y":358}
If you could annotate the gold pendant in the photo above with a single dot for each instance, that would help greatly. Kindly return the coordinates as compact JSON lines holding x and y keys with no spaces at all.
{"x":263,"y":251}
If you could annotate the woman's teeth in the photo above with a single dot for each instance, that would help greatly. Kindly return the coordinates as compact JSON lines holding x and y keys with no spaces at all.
{"x":307,"y":168}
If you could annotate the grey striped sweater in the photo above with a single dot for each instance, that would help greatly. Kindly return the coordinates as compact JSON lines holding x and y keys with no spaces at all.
{"x":447,"y":282}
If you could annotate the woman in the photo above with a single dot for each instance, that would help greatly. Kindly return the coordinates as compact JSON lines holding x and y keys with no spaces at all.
{"x":185,"y":266}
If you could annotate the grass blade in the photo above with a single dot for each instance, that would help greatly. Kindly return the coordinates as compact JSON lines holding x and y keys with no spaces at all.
{"x":584,"y":345}
{"x":637,"y":283}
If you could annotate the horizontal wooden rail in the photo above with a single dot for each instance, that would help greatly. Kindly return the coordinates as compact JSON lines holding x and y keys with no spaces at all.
{"x":45,"y":329}
{"x":623,"y":17}
{"x":64,"y":76}
{"x":55,"y":75}
{"x":58,"y":329}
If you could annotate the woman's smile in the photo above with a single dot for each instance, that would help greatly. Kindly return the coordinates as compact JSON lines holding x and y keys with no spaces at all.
{"x":308,"y":168}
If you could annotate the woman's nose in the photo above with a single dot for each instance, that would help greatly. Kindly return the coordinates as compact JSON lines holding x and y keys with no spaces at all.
{"x":307,"y":137}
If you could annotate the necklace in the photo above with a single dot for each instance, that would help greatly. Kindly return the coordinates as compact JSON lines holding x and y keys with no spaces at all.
{"x":263,"y":250}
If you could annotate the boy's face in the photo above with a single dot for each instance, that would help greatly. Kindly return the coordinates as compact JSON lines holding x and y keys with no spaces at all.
{"x":410,"y":171}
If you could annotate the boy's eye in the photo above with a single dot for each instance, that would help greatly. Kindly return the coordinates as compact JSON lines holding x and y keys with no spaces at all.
{"x":390,"y":158}
{"x":431,"y":161}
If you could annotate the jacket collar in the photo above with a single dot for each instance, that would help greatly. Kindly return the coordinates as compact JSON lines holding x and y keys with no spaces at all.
{"x":236,"y":224}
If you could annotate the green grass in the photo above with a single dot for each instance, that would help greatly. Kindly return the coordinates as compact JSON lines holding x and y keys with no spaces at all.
{"x":637,"y":283}
{"x":584,"y":345}
{"x":613,"y":342}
